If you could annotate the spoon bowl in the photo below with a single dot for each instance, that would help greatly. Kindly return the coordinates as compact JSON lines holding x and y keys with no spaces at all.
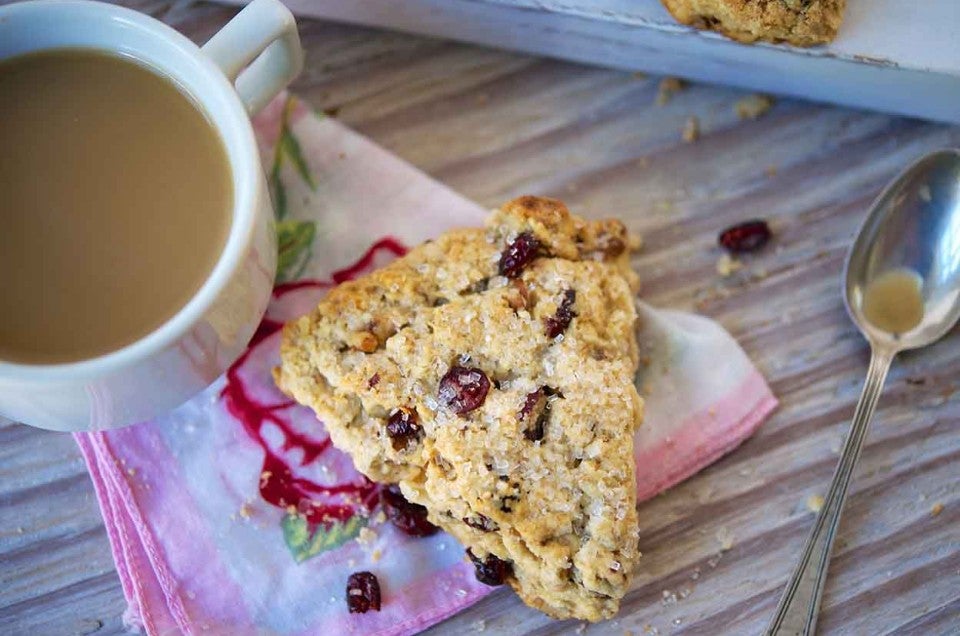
{"x":913,"y":224}
{"x":902,"y":273}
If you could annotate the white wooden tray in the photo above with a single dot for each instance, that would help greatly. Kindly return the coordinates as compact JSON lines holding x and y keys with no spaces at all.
{"x":901,"y":56}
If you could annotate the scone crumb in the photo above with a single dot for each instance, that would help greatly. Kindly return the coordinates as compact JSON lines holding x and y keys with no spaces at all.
{"x":380,"y":517}
{"x":244,"y":511}
{"x":936,"y":509}
{"x":753,"y":106}
{"x":667,"y":88}
{"x":691,"y":130}
{"x":663,"y":205}
{"x":581,"y":628}
{"x":814,"y":503}
{"x":366,"y":536}
{"x":131,"y":471}
{"x":376,"y":555}
{"x":724,"y":538}
{"x":265,"y":477}
{"x":479,"y":626}
{"x":727,"y":265}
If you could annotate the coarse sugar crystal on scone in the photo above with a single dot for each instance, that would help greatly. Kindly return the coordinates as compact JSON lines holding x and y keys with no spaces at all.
{"x":489,"y":373}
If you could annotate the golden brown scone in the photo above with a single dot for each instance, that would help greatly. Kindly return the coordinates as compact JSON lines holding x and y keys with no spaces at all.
{"x":799,"y":22}
{"x":490,"y":374}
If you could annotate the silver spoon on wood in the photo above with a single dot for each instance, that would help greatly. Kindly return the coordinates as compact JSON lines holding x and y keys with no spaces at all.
{"x":902,"y":290}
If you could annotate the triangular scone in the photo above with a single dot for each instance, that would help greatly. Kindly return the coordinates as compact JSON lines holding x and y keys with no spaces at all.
{"x":490,"y":374}
{"x":799,"y":22}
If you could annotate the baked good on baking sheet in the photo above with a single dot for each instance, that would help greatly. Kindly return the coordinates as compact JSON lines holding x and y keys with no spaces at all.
{"x":799,"y":22}
{"x":490,"y":373}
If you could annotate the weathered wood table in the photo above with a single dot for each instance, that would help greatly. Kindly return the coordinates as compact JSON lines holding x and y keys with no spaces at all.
{"x":719,"y":547}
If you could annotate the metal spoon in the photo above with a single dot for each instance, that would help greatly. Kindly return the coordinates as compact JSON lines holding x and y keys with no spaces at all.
{"x":913,"y":224}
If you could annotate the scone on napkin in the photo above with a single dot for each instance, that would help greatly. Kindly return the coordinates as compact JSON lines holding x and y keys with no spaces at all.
{"x":490,"y":373}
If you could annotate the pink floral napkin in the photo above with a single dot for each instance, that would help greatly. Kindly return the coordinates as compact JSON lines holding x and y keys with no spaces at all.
{"x":234,"y":514}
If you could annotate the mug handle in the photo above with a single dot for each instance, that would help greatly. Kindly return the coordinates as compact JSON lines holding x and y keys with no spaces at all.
{"x":259,"y":51}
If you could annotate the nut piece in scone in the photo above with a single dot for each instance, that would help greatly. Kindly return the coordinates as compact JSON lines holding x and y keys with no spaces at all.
{"x":504,"y":400}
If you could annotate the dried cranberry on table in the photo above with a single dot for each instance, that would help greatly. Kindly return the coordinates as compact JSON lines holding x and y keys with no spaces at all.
{"x":363,"y":593}
{"x":558,"y":323}
{"x":463,"y":389}
{"x":748,"y":236}
{"x":407,"y":517}
{"x":490,"y":570}
{"x":518,"y":254}
{"x":402,"y":427}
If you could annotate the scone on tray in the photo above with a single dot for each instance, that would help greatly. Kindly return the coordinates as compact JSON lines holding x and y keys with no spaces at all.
{"x":490,"y":374}
{"x":798,"y":22}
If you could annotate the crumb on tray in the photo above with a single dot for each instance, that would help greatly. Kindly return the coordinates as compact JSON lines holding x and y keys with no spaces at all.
{"x":691,"y":130}
{"x":753,"y":106}
{"x":668,"y":87}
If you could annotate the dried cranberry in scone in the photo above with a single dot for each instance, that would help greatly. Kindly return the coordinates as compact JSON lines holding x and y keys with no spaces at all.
{"x":518,"y":254}
{"x":408,"y":517}
{"x":558,"y":323}
{"x":490,"y":570}
{"x":403,"y":427}
{"x":463,"y":389}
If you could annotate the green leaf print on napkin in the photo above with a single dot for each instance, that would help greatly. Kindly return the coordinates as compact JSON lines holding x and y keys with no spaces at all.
{"x":305,"y":542}
{"x":294,"y":238}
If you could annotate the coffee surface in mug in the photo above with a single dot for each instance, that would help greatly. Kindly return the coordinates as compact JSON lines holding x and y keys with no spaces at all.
{"x":115,"y":203}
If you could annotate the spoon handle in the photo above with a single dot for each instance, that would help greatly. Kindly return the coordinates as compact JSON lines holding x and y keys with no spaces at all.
{"x":800,"y":604}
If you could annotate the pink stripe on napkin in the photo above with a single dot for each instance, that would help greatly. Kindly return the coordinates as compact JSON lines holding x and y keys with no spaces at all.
{"x":234,"y":513}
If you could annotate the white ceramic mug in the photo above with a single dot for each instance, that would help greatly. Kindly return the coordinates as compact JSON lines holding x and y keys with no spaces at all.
{"x":233,"y":76}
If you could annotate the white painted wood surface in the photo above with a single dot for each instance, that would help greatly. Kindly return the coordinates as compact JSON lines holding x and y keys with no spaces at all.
{"x":493,"y":125}
{"x":897,"y":56}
